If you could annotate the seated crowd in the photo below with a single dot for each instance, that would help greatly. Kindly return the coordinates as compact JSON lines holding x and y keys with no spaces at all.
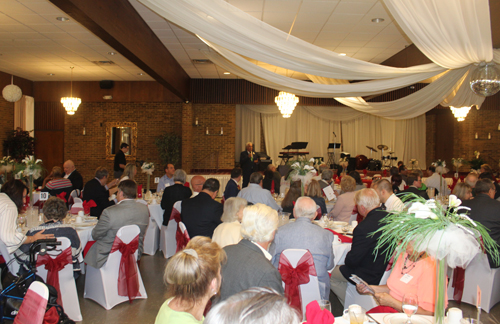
{"x":232,"y":260}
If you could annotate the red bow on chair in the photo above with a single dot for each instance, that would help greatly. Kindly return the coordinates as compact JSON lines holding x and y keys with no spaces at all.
{"x":62,"y":195}
{"x":181,"y":238}
{"x":53,"y":266}
{"x":455,"y":180}
{"x":365,"y":172}
{"x":175,"y":215}
{"x":385,"y":173}
{"x":87,"y":205}
{"x":39,"y":203}
{"x":293,"y":277}
{"x":128,"y":279}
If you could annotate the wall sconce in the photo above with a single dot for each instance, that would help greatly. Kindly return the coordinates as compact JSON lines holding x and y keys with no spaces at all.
{"x":220,"y":134}
{"x":489,"y":136}
{"x":196,"y":122}
{"x":476,"y":137}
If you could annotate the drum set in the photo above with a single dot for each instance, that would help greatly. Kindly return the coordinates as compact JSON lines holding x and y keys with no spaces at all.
{"x":385,"y":162}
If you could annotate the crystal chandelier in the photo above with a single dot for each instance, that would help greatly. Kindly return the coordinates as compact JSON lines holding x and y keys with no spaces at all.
{"x":286,"y":103}
{"x":485,"y":79}
{"x":460,"y":113}
{"x":71,"y":103}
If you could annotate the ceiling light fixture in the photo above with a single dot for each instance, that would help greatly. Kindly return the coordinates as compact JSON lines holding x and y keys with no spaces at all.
{"x":342,"y":54}
{"x":71,"y":103}
{"x":485,"y":79}
{"x":286,"y":102}
{"x":51,"y":74}
{"x":227,"y":73}
{"x":377,"y":20}
{"x":11,"y":92}
{"x":140,"y":73}
{"x":460,"y":113}
{"x":111,"y":53}
{"x":63,"y":19}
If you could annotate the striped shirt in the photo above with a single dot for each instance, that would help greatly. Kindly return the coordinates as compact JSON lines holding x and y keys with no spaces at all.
{"x":8,"y":226}
{"x":58,"y":184}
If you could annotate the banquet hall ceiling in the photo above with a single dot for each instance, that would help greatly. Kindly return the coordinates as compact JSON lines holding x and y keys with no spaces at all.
{"x":34,"y":44}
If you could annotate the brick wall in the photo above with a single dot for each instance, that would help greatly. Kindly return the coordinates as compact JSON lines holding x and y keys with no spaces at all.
{"x":7,"y":119}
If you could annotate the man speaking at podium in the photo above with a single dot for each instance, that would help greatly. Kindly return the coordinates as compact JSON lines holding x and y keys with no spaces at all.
{"x":249,"y":163}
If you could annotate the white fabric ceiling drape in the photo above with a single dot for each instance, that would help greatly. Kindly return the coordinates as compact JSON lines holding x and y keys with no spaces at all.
{"x":316,"y":125}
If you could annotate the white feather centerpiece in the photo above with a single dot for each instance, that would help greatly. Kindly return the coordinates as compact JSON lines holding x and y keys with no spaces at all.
{"x":302,"y":170}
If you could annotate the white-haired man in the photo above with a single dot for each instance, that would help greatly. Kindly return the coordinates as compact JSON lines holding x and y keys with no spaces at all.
{"x":248,"y":262}
{"x":387,"y":197}
{"x":303,"y":234}
{"x":361,"y":260}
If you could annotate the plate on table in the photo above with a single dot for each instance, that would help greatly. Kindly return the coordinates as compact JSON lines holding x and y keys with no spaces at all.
{"x":84,"y":225}
{"x":90,"y":219}
{"x":400,"y":318}
{"x":336,"y":223}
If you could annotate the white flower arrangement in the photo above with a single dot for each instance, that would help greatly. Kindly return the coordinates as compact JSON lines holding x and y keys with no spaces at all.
{"x":476,"y":154}
{"x":458,"y":162}
{"x":7,"y":164}
{"x":413,"y":163}
{"x":440,"y":166}
{"x":148,"y":168}
{"x":30,"y":167}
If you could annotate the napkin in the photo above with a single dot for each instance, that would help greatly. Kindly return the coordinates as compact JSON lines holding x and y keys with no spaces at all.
{"x":343,"y":238}
{"x":315,"y":315}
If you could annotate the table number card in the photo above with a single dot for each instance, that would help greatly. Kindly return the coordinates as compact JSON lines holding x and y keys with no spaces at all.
{"x":44,"y":196}
{"x":157,"y":179}
{"x":328,"y":190}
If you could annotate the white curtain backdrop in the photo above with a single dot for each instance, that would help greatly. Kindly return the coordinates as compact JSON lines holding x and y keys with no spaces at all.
{"x":317,"y":124}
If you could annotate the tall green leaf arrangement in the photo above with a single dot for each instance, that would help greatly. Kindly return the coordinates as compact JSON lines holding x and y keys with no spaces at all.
{"x":448,"y":235}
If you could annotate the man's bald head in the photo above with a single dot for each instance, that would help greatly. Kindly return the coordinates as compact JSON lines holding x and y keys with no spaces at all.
{"x":69,"y":167}
{"x":197,"y":183}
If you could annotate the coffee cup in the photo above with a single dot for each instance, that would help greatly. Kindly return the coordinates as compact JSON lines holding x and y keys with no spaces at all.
{"x":81,"y":213}
{"x":355,"y":314}
{"x":79,"y":219}
{"x":454,"y":315}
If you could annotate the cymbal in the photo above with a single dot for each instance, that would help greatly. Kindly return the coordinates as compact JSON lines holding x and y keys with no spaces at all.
{"x":382,"y":147}
{"x":371,"y":148}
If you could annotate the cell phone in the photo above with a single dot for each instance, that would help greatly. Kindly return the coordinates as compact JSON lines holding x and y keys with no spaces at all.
{"x":358,"y":280}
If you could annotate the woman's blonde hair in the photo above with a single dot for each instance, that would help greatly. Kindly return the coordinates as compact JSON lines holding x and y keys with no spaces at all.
{"x":347,"y":184}
{"x":189,"y":273}
{"x":129,"y":171}
{"x":231,"y":208}
{"x":314,"y":189}
{"x":461,"y":189}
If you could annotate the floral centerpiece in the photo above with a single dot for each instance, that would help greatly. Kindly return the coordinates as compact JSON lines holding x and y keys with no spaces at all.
{"x":446,"y":234}
{"x":7,"y":164}
{"x":476,"y":162}
{"x":32,"y":169}
{"x":440,"y":169}
{"x":148,"y":168}
{"x":344,"y":163}
{"x":413,"y":164}
{"x":458,"y":162}
{"x":301,"y":170}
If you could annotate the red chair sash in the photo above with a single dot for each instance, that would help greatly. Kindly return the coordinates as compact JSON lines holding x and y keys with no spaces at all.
{"x":139,"y":191}
{"x":181,"y":238}
{"x":53,"y":266}
{"x":293,"y":277}
{"x":39,"y":203}
{"x":32,"y":309}
{"x":87,"y":205}
{"x":384,"y":173}
{"x":455,"y":181}
{"x":458,"y":284}
{"x":128,"y":278}
{"x":365,"y":172}
{"x":62,"y":195}
{"x":175,"y":215}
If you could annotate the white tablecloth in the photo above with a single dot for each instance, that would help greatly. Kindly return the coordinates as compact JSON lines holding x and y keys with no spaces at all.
{"x":340,"y":251}
{"x":223,"y":179}
{"x":156,"y":214}
{"x":380,"y":318}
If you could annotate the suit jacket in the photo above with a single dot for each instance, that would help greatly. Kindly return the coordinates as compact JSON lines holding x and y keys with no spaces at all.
{"x":487,"y":212}
{"x":231,"y":189}
{"x":302,"y":234}
{"x":201,"y":215}
{"x":127,"y":212}
{"x":76,"y":179}
{"x":247,"y":267}
{"x":171,"y":195}
{"x":95,"y":191}
{"x":361,"y":260}
{"x":421,"y":193}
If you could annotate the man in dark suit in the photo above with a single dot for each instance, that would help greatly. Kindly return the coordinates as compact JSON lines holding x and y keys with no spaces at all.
{"x":486,"y":210}
{"x":361,"y":260}
{"x":201,"y":214}
{"x":232,"y":187}
{"x":415,"y":182}
{"x":249,"y":163}
{"x":126,"y":212}
{"x":73,"y":175}
{"x":97,"y":190}
{"x":248,"y":262}
{"x":174,"y":193}
{"x":120,"y":160}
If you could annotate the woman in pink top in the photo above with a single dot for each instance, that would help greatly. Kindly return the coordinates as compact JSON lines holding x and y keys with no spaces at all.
{"x":345,"y":202}
{"x":413,"y":273}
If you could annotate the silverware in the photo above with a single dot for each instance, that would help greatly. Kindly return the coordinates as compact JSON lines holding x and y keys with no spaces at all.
{"x":373,"y":318}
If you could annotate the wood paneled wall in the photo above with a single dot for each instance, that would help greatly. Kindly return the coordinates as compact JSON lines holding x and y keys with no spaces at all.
{"x":49,"y":132}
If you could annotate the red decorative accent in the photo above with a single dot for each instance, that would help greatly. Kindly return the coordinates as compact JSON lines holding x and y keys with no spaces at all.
{"x":315,"y":315}
{"x":343,"y":238}
{"x":384,"y":173}
{"x":175,"y":215}
{"x":293,"y":277}
{"x":87,"y":247}
{"x":139,"y":191}
{"x":51,"y":316}
{"x":382,"y":309}
{"x":318,"y":213}
{"x":181,"y":238}
{"x":62,"y":195}
{"x":458,"y":284}
{"x":368,"y":183}
{"x":53,"y":266}
{"x":128,"y":279}
{"x":39,"y":203}
{"x":87,"y":205}
{"x":186,"y":184}
{"x":365,"y":172}
{"x":272,"y":187}
{"x":32,"y":309}
{"x":455,"y":181}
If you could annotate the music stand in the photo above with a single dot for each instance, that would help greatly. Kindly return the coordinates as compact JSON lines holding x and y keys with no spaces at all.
{"x":299,"y":146}
{"x":331,"y":154}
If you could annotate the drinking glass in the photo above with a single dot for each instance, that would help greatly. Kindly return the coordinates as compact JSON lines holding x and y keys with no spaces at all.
{"x":410,"y":305}
{"x":21,"y":220}
{"x":356,"y":314}
{"x":325,"y":304}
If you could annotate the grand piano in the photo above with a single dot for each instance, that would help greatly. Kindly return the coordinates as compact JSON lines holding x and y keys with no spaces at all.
{"x":293,"y":150}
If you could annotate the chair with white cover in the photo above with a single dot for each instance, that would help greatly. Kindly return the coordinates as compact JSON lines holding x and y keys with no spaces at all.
{"x":479,"y":274}
{"x":309,"y":291}
{"x":101,"y":285}
{"x":366,"y":301}
{"x":151,"y":236}
{"x":168,"y":243}
{"x":32,"y":310}
{"x":10,"y":260}
{"x":67,"y":286}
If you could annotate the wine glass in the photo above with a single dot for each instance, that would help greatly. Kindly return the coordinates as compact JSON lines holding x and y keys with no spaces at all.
{"x":410,"y":305}
{"x":325,"y":304}
{"x":21,"y":220}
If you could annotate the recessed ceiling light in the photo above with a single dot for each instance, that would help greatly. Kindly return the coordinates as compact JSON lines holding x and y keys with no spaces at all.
{"x":51,"y":74}
{"x":140,"y":73}
{"x":342,"y":54}
{"x":111,"y":53}
{"x":377,"y":20}
{"x":62,"y":19}
{"x":227,"y":73}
